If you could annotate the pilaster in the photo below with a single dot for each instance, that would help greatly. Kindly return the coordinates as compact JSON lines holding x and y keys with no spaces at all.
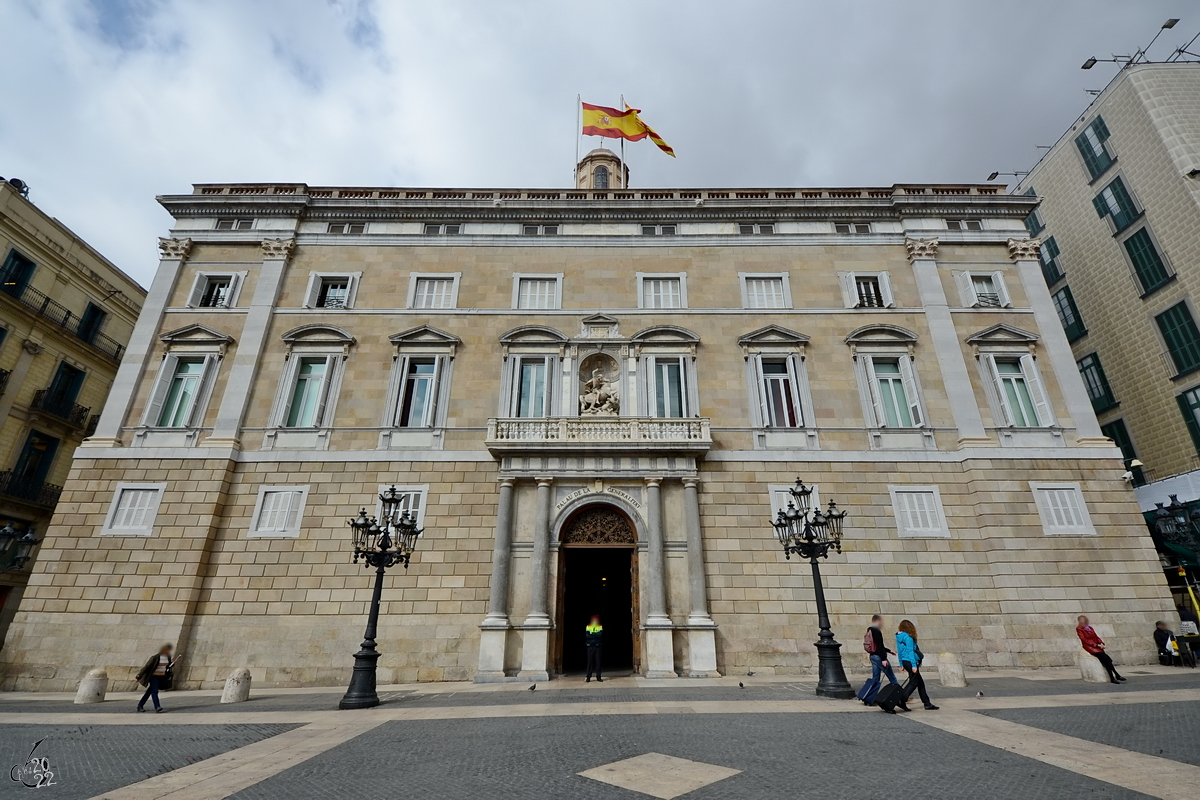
{"x":493,"y":638}
{"x":660,"y":651}
{"x":702,"y":636}
{"x":535,"y":649}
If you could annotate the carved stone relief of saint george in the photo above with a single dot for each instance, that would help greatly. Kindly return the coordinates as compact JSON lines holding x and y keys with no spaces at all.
{"x":599,"y":392}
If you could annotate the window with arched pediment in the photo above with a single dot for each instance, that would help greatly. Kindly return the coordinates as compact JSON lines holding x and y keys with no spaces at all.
{"x":600,"y":178}
{"x":598,"y":524}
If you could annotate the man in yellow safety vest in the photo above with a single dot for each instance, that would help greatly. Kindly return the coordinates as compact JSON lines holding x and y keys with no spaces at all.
{"x":593,"y":638}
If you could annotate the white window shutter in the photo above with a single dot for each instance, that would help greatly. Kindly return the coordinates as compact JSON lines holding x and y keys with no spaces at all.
{"x":402,"y":387}
{"x":966,"y":289}
{"x":650,"y":382}
{"x":208,"y":373}
{"x":198,"y":285}
{"x":849,"y":290}
{"x":548,"y":384}
{"x":688,"y":400}
{"x":989,"y":364}
{"x":435,"y":391}
{"x":885,"y":290}
{"x":1001,"y":289}
{"x":331,"y":363}
{"x":873,"y":387}
{"x":1037,"y":391}
{"x":909,"y":379}
{"x":162,"y":385}
{"x":764,"y":413}
{"x":314,"y":288}
{"x":794,"y":377}
{"x":235,"y":288}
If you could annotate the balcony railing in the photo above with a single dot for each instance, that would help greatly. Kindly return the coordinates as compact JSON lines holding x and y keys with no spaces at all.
{"x":62,"y":316}
{"x":4,"y":375}
{"x":38,"y":493}
{"x":71,"y":413}
{"x":606,"y":433}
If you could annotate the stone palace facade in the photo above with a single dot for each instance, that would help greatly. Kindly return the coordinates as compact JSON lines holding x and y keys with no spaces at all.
{"x":594,"y":400}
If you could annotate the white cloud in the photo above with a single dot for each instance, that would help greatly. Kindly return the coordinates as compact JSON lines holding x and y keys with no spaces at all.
{"x":112,"y":102}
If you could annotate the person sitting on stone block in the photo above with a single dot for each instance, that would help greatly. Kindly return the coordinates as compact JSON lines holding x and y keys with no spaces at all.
{"x":1094,"y":645}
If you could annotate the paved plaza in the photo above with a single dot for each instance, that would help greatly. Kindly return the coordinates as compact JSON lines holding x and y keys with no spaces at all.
{"x":1040,"y":733}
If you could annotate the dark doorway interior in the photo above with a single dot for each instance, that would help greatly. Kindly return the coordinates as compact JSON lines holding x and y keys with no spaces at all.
{"x":598,"y":581}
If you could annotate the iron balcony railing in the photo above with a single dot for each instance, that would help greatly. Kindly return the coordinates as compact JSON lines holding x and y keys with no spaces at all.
{"x":72,"y":413}
{"x":92,"y":423}
{"x":4,"y":374}
{"x":34,"y":492}
{"x":62,"y":316}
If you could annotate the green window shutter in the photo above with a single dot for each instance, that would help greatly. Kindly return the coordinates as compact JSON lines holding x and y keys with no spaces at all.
{"x":1182,"y":337}
{"x":1050,"y":247}
{"x":1101,"y":206}
{"x":1128,"y":212}
{"x":1100,"y":129}
{"x":1090,"y":159}
{"x":1147,"y":263}
{"x":1189,"y":417}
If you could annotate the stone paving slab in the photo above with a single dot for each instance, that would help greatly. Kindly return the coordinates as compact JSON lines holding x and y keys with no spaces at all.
{"x":88,"y":760}
{"x":1166,"y":730}
{"x":831,"y":756}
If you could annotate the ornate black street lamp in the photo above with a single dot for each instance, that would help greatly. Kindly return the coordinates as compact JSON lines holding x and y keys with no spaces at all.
{"x":24,"y":544}
{"x":378,"y":543}
{"x":810,"y":533}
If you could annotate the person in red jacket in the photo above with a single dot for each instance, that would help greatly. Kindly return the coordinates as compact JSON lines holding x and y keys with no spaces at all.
{"x":1093,"y":644}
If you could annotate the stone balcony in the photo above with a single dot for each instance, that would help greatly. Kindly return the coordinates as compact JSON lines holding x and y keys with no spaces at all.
{"x":598,"y":433}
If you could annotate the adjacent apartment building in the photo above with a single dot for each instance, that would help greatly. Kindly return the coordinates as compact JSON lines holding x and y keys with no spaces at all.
{"x":66,"y":314}
{"x":594,"y":400}
{"x":1120,"y":228}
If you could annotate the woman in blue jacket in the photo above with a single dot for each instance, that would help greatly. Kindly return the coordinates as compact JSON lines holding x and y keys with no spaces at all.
{"x":910,"y":657}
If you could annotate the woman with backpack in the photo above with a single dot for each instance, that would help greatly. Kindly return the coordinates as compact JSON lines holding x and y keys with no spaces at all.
{"x":910,"y":655}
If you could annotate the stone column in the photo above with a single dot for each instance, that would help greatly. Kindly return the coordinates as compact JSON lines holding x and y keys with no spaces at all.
{"x":1057,"y":349}
{"x":228,"y":426}
{"x":660,"y":651}
{"x":535,"y":649}
{"x":946,"y":346}
{"x":493,"y":638}
{"x":702,"y":638}
{"x":141,"y":344}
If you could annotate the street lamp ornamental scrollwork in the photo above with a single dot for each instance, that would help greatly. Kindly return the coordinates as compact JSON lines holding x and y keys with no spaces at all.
{"x":21,"y":545}
{"x":380,"y":543}
{"x":809,"y":532}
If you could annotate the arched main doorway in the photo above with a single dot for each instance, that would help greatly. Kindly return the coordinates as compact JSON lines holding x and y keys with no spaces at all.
{"x":597,"y":574}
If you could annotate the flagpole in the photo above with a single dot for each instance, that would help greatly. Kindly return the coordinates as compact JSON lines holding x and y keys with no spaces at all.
{"x":624,"y":171}
{"x":578,"y":131}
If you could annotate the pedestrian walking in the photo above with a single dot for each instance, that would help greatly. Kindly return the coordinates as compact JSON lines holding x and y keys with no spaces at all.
{"x":1093,"y":644}
{"x":910,"y":656}
{"x":594,"y":639}
{"x":152,"y":674}
{"x":873,"y":644}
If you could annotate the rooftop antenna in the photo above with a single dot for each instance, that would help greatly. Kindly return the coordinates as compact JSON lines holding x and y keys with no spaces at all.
{"x":1139,"y":57}
{"x":1016,"y":174}
{"x":1182,"y":51}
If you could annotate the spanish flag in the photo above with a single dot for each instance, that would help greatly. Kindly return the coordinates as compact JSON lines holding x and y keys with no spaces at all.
{"x":613,"y":124}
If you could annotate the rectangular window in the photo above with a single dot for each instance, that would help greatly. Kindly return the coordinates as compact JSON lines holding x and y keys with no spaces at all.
{"x":670,"y":387}
{"x":333,"y":293}
{"x":238,"y":224}
{"x":751,"y":228}
{"x":987,"y":295}
{"x":1062,"y":509}
{"x":1068,"y":314}
{"x":412,"y":501}
{"x":1096,"y":382}
{"x":216,"y":292}
{"x":852,"y":227}
{"x":1147,"y":263}
{"x":434,"y":293}
{"x":658,"y":230}
{"x":1114,"y":201}
{"x":1117,"y":431}
{"x":133,"y":509}
{"x":279,"y":511}
{"x":418,"y":393}
{"x":307,"y":403}
{"x":537,"y":293}
{"x":918,"y":511}
{"x":765,"y":292}
{"x":64,"y":389}
{"x":964,"y":224}
{"x":870,"y":294}
{"x":1015,"y":391}
{"x":1033,"y":222}
{"x":15,"y":274}
{"x":539,"y":230}
{"x":661,"y":293}
{"x":533,"y":387}
{"x":347,"y":227}
{"x":1189,"y":405}
{"x":90,"y":323}
{"x":1091,"y":144}
{"x":182,"y":393}
{"x":866,"y":289}
{"x":1052,"y":269}
{"x":1181,"y":336}
{"x":447,"y":229}
{"x":779,"y":387}
{"x":895,"y":407}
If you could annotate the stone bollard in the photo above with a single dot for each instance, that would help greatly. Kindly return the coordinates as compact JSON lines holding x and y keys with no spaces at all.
{"x":237,"y":687}
{"x":92,"y":688}
{"x":950,"y":671}
{"x":1090,"y":668}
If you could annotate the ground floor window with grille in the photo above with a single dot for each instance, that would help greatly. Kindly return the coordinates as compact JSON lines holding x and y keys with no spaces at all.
{"x":918,"y":511}
{"x":133,"y":509}
{"x":1062,"y":510}
{"x":279,"y":511}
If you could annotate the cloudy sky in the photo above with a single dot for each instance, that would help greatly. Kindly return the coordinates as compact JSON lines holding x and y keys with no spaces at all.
{"x":110,"y":102}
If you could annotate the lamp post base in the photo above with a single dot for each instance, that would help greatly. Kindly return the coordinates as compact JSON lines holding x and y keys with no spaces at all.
{"x":361,"y":693}
{"x":832,"y":680}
